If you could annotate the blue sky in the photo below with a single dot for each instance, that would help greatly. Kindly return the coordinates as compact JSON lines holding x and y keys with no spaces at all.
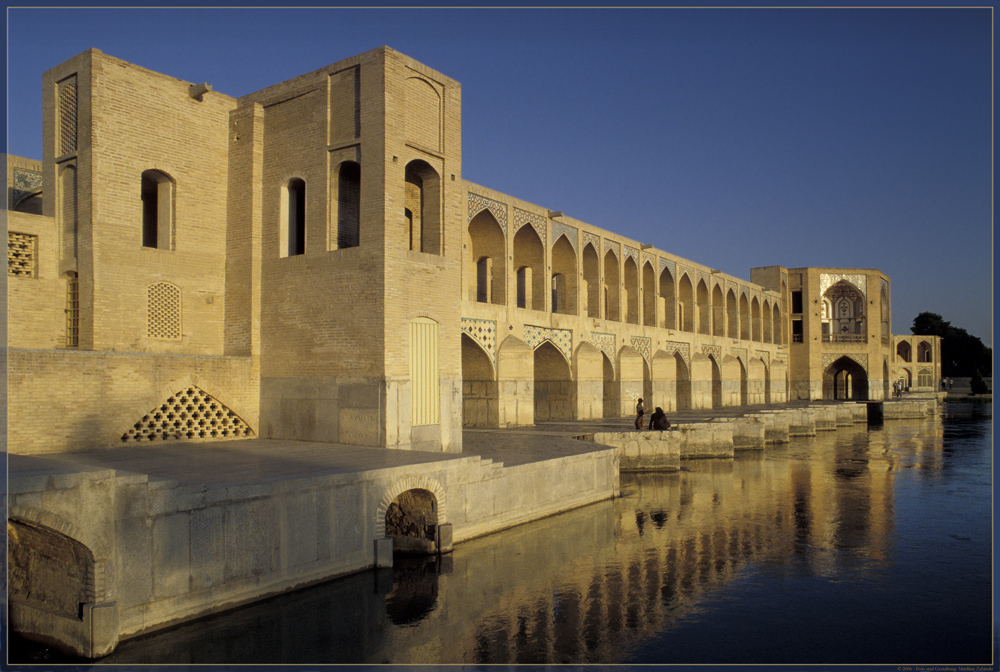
{"x":732,"y":137}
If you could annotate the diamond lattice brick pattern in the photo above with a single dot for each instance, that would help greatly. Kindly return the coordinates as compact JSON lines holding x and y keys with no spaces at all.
{"x":189,"y":415}
{"x":164,"y":311}
{"x":20,"y":254}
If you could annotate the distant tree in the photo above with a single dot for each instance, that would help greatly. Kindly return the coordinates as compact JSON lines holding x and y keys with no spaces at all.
{"x":978,"y":384}
{"x":962,"y":354}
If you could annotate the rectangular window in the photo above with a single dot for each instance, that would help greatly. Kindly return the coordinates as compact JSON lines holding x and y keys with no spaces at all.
{"x":796,"y":302}
{"x":796,"y":331}
{"x":72,"y":311}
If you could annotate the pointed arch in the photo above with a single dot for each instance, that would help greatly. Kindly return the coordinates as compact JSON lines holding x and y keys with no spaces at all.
{"x":648,"y":295}
{"x":564,"y":290}
{"x":422,"y":207}
{"x":668,"y":300}
{"x":704,"y":309}
{"x":631,"y":274}
{"x":486,"y":259}
{"x":685,"y":304}
{"x":612,"y":291}
{"x":529,"y":263}
{"x":592,"y":280}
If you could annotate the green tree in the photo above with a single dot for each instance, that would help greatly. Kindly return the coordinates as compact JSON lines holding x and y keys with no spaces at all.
{"x":978,"y":384}
{"x":962,"y":354}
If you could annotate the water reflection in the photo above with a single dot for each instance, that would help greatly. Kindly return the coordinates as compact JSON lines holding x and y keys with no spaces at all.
{"x":621,"y":580}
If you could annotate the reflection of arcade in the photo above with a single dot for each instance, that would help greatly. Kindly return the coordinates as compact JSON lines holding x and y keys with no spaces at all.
{"x":414,"y":588}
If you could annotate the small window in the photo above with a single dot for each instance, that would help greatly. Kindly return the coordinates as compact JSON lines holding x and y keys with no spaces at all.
{"x":797,"y":302}
{"x":157,"y":193}
{"x":293,"y":218}
{"x":797,"y":331}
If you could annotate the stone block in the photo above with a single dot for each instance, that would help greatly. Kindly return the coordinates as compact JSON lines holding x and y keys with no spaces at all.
{"x":208,"y":549}
{"x":171,"y":559}
{"x":383,"y":553}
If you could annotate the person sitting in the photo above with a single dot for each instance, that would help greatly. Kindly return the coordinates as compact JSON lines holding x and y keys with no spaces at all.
{"x":659,"y":420}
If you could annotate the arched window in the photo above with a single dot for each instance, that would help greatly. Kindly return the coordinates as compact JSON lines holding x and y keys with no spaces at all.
{"x":559,"y":293}
{"x":346,"y":213}
{"x":844,"y":318}
{"x":292,"y":239}
{"x":157,"y":193}
{"x":924,"y":378}
{"x":423,"y":207}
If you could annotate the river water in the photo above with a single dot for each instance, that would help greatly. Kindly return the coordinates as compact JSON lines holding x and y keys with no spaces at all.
{"x":860,"y":546}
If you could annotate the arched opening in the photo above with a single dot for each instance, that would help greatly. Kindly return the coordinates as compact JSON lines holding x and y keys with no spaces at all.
{"x":612,"y":403}
{"x":885,"y":314}
{"x":157,"y":193}
{"x":704,"y":309}
{"x":631,"y":291}
{"x":733,"y":330}
{"x":924,"y":379}
{"x":683,"y":383}
{"x":844,"y":314}
{"x":346,"y":200}
{"x":648,"y":295}
{"x":411,"y":521}
{"x":486,"y":250}
{"x":718,"y":312}
{"x":886,"y":383}
{"x":422,"y":207}
{"x":48,"y":572}
{"x":924,"y":352}
{"x":480,"y":394}
{"x":592,"y":280}
{"x":553,"y":384}
{"x":845,"y":379}
{"x":68,"y":212}
{"x":668,"y":300}
{"x":744,"y":384}
{"x":778,"y":331}
{"x":716,"y":383}
{"x":612,"y":282}
{"x":564,"y":277}
{"x":767,"y":383}
{"x":292,"y":234}
{"x":685,"y":307}
{"x":744,"y":318}
{"x":755,"y":320}
{"x":529,"y":260}
{"x":765,"y":321}
{"x":904,"y":351}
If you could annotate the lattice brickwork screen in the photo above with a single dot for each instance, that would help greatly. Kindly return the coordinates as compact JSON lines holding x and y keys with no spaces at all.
{"x":189,"y":414}
{"x":72,"y":312}
{"x":164,"y":311}
{"x":21,"y":254}
{"x":67,"y":116}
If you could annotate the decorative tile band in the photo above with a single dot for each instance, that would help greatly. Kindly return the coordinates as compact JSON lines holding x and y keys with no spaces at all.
{"x":713,"y":350}
{"x":859,"y":358}
{"x":672,"y":347}
{"x":764,"y":355}
{"x":483,"y":332}
{"x":479,"y":203}
{"x":560,"y":229}
{"x":667,"y":263}
{"x":740,"y":354}
{"x":614,"y":246}
{"x":828,"y":280}
{"x":650,"y":259}
{"x":632,"y":252}
{"x":643,"y":345}
{"x":606,"y":344}
{"x":25,"y":183}
{"x":534,"y":336}
{"x":592,"y":239}
{"x":522,"y":217}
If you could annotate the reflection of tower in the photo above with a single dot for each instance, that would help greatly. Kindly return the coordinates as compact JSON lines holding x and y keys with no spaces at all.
{"x":360,"y":253}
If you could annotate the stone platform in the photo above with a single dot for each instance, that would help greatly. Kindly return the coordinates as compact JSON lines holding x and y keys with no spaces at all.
{"x":151,"y":535}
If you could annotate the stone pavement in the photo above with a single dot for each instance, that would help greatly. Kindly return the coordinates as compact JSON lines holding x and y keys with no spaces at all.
{"x":244,"y":461}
